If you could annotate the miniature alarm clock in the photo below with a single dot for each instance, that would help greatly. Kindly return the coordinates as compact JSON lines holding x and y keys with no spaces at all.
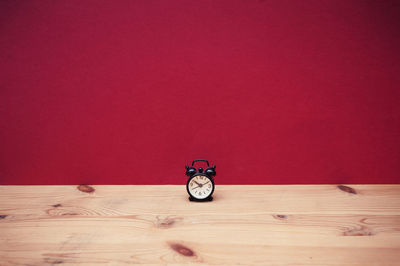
{"x":200,"y":185}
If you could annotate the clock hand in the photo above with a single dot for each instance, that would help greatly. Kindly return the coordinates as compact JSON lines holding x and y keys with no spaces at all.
{"x":200,"y":185}
{"x":206,"y":183}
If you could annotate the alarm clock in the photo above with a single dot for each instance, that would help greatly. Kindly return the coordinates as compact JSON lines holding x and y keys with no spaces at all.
{"x":200,"y":185}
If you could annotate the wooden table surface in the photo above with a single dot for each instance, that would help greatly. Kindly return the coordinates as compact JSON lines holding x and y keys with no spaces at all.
{"x":245,"y":225}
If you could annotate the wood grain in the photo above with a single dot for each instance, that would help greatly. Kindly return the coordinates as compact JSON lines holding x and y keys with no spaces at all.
{"x":244,"y":225}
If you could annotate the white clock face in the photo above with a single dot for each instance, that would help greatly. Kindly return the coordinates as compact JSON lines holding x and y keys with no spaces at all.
{"x":200,"y":187}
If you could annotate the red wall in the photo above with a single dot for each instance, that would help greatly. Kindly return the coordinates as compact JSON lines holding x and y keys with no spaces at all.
{"x":128,"y":92}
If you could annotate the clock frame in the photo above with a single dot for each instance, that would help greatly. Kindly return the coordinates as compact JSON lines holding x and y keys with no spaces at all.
{"x":192,"y":197}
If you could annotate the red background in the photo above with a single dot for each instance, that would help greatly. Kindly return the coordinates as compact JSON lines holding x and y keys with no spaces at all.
{"x":128,"y":92}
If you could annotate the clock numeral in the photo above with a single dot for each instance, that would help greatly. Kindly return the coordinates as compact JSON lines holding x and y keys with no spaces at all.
{"x":191,"y":184}
{"x":209,"y":185}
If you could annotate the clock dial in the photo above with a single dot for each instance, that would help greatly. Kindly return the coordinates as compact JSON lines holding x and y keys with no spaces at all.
{"x":200,"y":187}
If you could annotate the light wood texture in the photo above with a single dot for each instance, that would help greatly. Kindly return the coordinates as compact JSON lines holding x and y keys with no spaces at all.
{"x":244,"y":225}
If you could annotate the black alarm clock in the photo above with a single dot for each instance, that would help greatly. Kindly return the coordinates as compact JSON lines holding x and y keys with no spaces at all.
{"x":200,"y":185}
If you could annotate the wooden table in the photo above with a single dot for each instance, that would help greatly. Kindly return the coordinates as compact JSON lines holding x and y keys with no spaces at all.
{"x":247,"y":225}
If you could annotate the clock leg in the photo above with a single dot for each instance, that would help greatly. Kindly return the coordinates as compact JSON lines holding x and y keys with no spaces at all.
{"x":206,"y":199}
